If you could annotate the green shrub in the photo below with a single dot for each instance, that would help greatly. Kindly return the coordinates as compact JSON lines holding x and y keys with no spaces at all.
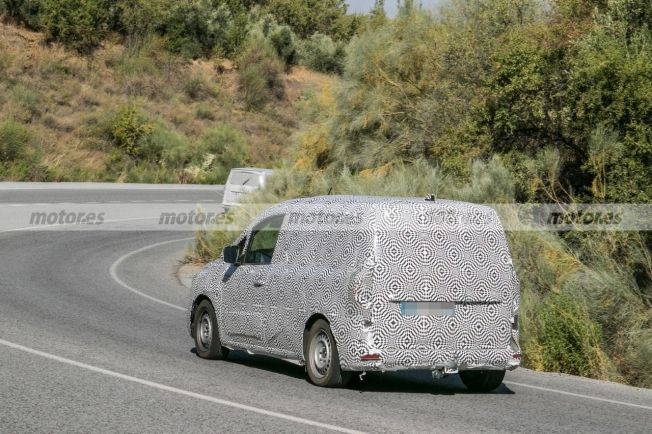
{"x":151,"y":174}
{"x":321,"y":53}
{"x":639,"y":361}
{"x":130,"y":130}
{"x":228,"y":144}
{"x":234,"y":30}
{"x":14,"y":139}
{"x":29,"y":100}
{"x":199,"y":27}
{"x":137,"y":20}
{"x":309,"y":16}
{"x":490,"y":182}
{"x":204,"y":111}
{"x":570,"y":340}
{"x":260,"y":75}
{"x":208,"y":245}
{"x":141,"y":71}
{"x":253,"y":87}
{"x":79,"y":25}
{"x":284,"y":42}
{"x":197,"y":87}
{"x":173,"y":149}
{"x":26,"y":170}
{"x":24,"y":12}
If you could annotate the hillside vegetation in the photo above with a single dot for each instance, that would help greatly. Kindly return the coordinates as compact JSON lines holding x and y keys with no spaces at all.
{"x":154,"y":90}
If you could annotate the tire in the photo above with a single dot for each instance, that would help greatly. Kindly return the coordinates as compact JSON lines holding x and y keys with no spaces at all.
{"x":482,"y":381}
{"x":206,"y":333}
{"x":322,"y":358}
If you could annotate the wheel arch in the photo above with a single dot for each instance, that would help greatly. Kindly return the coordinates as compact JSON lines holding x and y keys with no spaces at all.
{"x":306,"y":329}
{"x":195,"y":303}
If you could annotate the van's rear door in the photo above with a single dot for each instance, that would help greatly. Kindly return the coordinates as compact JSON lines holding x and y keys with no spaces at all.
{"x":442,"y":282}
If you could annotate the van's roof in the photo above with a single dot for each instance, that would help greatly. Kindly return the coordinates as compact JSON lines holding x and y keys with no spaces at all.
{"x":373,"y":200}
{"x":378,"y":211}
{"x":372,"y":204}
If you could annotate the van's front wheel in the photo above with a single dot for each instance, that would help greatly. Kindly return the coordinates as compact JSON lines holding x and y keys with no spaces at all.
{"x":482,"y":381}
{"x":322,"y":359}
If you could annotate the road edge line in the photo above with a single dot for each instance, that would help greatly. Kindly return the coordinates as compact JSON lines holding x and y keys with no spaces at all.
{"x":578,"y":395}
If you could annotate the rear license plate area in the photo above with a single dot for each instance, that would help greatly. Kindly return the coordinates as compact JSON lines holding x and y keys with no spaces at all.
{"x":427,"y":308}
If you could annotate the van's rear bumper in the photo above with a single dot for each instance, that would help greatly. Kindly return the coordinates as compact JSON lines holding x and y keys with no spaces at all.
{"x":450,"y":361}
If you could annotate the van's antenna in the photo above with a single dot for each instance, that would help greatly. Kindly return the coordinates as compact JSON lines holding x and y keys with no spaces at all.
{"x":330,"y":190}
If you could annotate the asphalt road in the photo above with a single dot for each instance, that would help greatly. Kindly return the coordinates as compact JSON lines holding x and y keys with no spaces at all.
{"x":93,"y":339}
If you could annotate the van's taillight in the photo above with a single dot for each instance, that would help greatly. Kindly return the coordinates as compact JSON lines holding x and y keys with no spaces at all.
{"x":370,"y":357}
{"x":516,"y":356}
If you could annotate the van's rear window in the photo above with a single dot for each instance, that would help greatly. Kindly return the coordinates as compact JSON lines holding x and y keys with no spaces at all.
{"x":245,"y":178}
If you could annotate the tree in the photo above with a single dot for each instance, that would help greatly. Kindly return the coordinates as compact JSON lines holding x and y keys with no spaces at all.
{"x":306,"y":17}
{"x":79,"y":25}
{"x":24,"y":12}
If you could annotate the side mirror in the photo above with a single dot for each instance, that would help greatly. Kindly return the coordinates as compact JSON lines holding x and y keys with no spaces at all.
{"x":230,"y":254}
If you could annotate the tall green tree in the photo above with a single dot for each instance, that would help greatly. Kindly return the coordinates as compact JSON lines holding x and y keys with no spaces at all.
{"x":80,"y":25}
{"x":306,"y":17}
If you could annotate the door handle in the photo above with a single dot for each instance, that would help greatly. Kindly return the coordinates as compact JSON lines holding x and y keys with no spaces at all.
{"x":258,"y":284}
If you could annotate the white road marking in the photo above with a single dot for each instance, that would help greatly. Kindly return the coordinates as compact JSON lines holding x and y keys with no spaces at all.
{"x":579,"y":395}
{"x":4,"y":186}
{"x":41,"y":227}
{"x":178,"y":391}
{"x":114,"y":274}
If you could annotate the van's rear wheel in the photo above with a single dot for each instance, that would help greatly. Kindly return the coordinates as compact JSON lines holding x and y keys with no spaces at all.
{"x":482,"y":381}
{"x":206,"y":333}
{"x":322,"y":359}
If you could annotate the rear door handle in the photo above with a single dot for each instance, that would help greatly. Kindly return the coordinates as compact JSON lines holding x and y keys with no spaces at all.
{"x":258,"y":284}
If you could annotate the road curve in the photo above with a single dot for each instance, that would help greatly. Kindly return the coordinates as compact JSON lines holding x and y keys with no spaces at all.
{"x":80,"y":352}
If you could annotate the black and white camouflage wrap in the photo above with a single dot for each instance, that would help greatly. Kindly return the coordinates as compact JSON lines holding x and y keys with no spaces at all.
{"x":353,"y":260}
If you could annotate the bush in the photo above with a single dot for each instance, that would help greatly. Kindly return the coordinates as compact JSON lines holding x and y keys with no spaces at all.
{"x":24,"y":12}
{"x":187,"y":31}
{"x":321,"y":53}
{"x":29,"y":100}
{"x":260,"y":77}
{"x":130,"y":130}
{"x":169,"y":148}
{"x":309,"y":16}
{"x":14,"y":139}
{"x":228,"y":144}
{"x":209,"y":244}
{"x":137,"y":20}
{"x":284,"y":42}
{"x":253,"y":87}
{"x":234,"y":29}
{"x":205,"y":112}
{"x":150,"y":174}
{"x":197,"y":87}
{"x":79,"y":25}
{"x":570,"y":340}
{"x":200,"y":27}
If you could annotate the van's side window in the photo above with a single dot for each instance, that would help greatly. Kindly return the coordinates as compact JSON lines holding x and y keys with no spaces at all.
{"x":263,"y":241}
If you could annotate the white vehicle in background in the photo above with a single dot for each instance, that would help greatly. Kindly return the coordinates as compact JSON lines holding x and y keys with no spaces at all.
{"x":243,"y":181}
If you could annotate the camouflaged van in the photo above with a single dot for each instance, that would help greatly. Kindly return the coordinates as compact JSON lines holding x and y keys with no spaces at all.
{"x":347,"y":284}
